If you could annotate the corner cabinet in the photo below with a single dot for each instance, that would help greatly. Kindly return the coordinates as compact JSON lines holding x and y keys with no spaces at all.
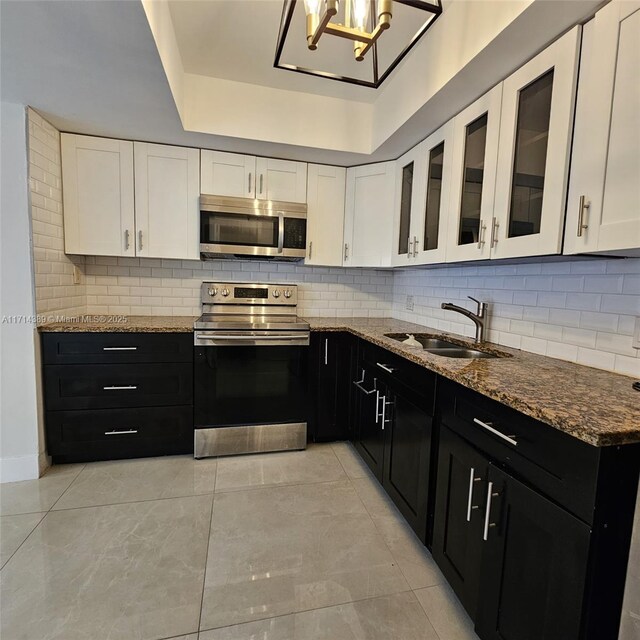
{"x":325,"y":215}
{"x":423,"y":177}
{"x":98,"y":196}
{"x":236,"y":175}
{"x":130,"y":199}
{"x":167,"y":196}
{"x":603,"y":207}
{"x":368,"y":226}
{"x":533,"y":152}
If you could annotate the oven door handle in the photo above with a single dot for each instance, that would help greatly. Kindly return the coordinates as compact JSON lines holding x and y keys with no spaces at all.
{"x":252,"y":341}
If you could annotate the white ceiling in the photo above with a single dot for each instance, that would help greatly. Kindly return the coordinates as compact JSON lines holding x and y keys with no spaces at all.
{"x":94,"y":68}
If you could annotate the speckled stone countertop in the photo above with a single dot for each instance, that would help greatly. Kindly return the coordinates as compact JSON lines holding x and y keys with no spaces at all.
{"x":598,"y":407}
{"x":595,"y":406}
{"x":121,"y":324}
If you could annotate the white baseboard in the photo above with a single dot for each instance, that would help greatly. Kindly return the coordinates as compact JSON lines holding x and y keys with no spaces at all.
{"x":21,"y":468}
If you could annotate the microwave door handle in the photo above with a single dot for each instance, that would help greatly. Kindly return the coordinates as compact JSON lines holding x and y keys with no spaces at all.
{"x":280,"y":232}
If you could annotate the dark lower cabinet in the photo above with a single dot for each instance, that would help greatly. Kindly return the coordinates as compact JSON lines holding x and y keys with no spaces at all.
{"x":459,"y":516}
{"x":407,"y":451}
{"x":534,"y":565}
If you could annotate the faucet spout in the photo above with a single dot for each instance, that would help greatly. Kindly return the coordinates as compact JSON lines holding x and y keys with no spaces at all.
{"x":477,"y":318}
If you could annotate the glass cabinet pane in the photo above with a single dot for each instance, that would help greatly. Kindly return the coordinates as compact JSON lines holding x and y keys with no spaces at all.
{"x":434,"y":188}
{"x":405,"y":208}
{"x":471,"y":199}
{"x":530,"y":156}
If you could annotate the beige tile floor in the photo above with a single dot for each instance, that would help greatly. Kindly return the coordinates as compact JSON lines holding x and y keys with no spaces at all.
{"x":284,"y":546}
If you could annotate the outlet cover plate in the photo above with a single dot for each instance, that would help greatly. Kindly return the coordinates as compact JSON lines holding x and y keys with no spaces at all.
{"x":409,"y":303}
{"x":636,"y":334}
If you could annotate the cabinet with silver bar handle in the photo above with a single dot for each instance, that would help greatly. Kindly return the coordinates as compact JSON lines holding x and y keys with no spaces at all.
{"x":117,"y":395}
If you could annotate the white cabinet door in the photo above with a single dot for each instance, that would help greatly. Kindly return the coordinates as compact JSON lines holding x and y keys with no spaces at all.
{"x":533,"y":152}
{"x":603,"y":206}
{"x":434,"y":205}
{"x":227,"y":174}
{"x":97,"y":176}
{"x":411,"y":180}
{"x":473,"y":178}
{"x":368,"y":230}
{"x":282,"y":180}
{"x":167,"y":181}
{"x":325,"y":215}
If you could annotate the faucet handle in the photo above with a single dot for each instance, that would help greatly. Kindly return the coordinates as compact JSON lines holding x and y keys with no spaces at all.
{"x":481,"y":305}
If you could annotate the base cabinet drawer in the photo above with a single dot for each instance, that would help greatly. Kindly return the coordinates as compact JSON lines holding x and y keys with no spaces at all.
{"x":75,"y":387}
{"x":82,"y":436}
{"x":113,"y":348}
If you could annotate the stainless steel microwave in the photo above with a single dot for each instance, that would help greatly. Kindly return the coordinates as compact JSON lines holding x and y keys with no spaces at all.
{"x":245,"y":227}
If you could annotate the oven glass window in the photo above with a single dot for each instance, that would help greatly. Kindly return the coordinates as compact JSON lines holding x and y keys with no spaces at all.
{"x":239,"y":230}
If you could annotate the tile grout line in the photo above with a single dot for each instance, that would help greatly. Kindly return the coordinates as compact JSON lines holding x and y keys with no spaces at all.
{"x":68,"y":487}
{"x":43,"y":514}
{"x":206,"y":556}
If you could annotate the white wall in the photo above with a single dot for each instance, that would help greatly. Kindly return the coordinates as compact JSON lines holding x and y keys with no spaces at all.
{"x":582,"y":311}
{"x":19,"y":448}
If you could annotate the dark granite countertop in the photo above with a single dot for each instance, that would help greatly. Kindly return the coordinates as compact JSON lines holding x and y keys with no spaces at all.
{"x":596,"y":406}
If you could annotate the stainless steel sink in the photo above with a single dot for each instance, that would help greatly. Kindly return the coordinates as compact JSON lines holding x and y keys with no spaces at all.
{"x":441,"y":347}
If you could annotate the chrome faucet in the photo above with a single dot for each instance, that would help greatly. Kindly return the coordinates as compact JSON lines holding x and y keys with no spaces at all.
{"x":478,"y":318}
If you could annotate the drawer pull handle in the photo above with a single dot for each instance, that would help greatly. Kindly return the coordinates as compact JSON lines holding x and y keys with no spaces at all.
{"x":119,"y":348}
{"x":128,"y":387}
{"x":487,"y":425}
{"x":470,"y":505}
{"x":124,"y":432}
{"x":359,"y":383}
{"x":385,"y":367}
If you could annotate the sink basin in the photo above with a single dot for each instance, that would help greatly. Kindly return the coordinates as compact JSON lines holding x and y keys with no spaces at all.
{"x":440,"y":347}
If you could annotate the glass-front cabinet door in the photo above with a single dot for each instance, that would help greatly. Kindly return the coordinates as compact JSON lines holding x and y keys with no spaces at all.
{"x":473,"y":178}
{"x":409,"y":192}
{"x":533,"y":152}
{"x":431,"y":221}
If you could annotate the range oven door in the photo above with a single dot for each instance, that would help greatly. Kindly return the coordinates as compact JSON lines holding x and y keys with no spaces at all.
{"x":250,"y":392}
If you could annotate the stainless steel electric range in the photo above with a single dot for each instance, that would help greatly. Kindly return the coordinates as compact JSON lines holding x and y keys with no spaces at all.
{"x":250,"y":370}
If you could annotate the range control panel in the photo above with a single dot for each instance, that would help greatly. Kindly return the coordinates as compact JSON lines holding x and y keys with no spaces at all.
{"x":248,"y":293}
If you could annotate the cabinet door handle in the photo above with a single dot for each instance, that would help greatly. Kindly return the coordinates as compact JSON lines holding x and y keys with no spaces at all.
{"x":487,"y":425}
{"x":483,"y":229}
{"x":472,"y":480}
{"x":346,"y":251}
{"x":494,"y":231}
{"x":121,"y":432}
{"x":487,"y":516}
{"x":127,"y":387}
{"x":261,"y":182}
{"x":140,"y":240}
{"x":409,"y":248}
{"x":326,"y":351}
{"x":584,"y":204}
{"x":385,"y":367}
{"x":415,"y":246}
{"x":384,"y":410}
{"x":127,"y":244}
{"x":249,"y":187}
{"x":119,"y":348}
{"x":310,"y":249}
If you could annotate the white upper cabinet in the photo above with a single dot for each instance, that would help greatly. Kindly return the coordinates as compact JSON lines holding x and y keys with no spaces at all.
{"x":227,"y":174}
{"x":603,"y":206}
{"x":283,"y":180}
{"x":433,"y":207}
{"x":98,"y":196}
{"x":167,"y":181}
{"x":473,"y":180}
{"x":533,"y":152}
{"x":368,"y":229}
{"x":325,"y":215}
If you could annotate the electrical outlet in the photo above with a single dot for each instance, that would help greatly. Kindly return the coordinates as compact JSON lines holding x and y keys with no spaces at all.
{"x":77,"y":275}
{"x":409,"y":303}
{"x":636,"y":334}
